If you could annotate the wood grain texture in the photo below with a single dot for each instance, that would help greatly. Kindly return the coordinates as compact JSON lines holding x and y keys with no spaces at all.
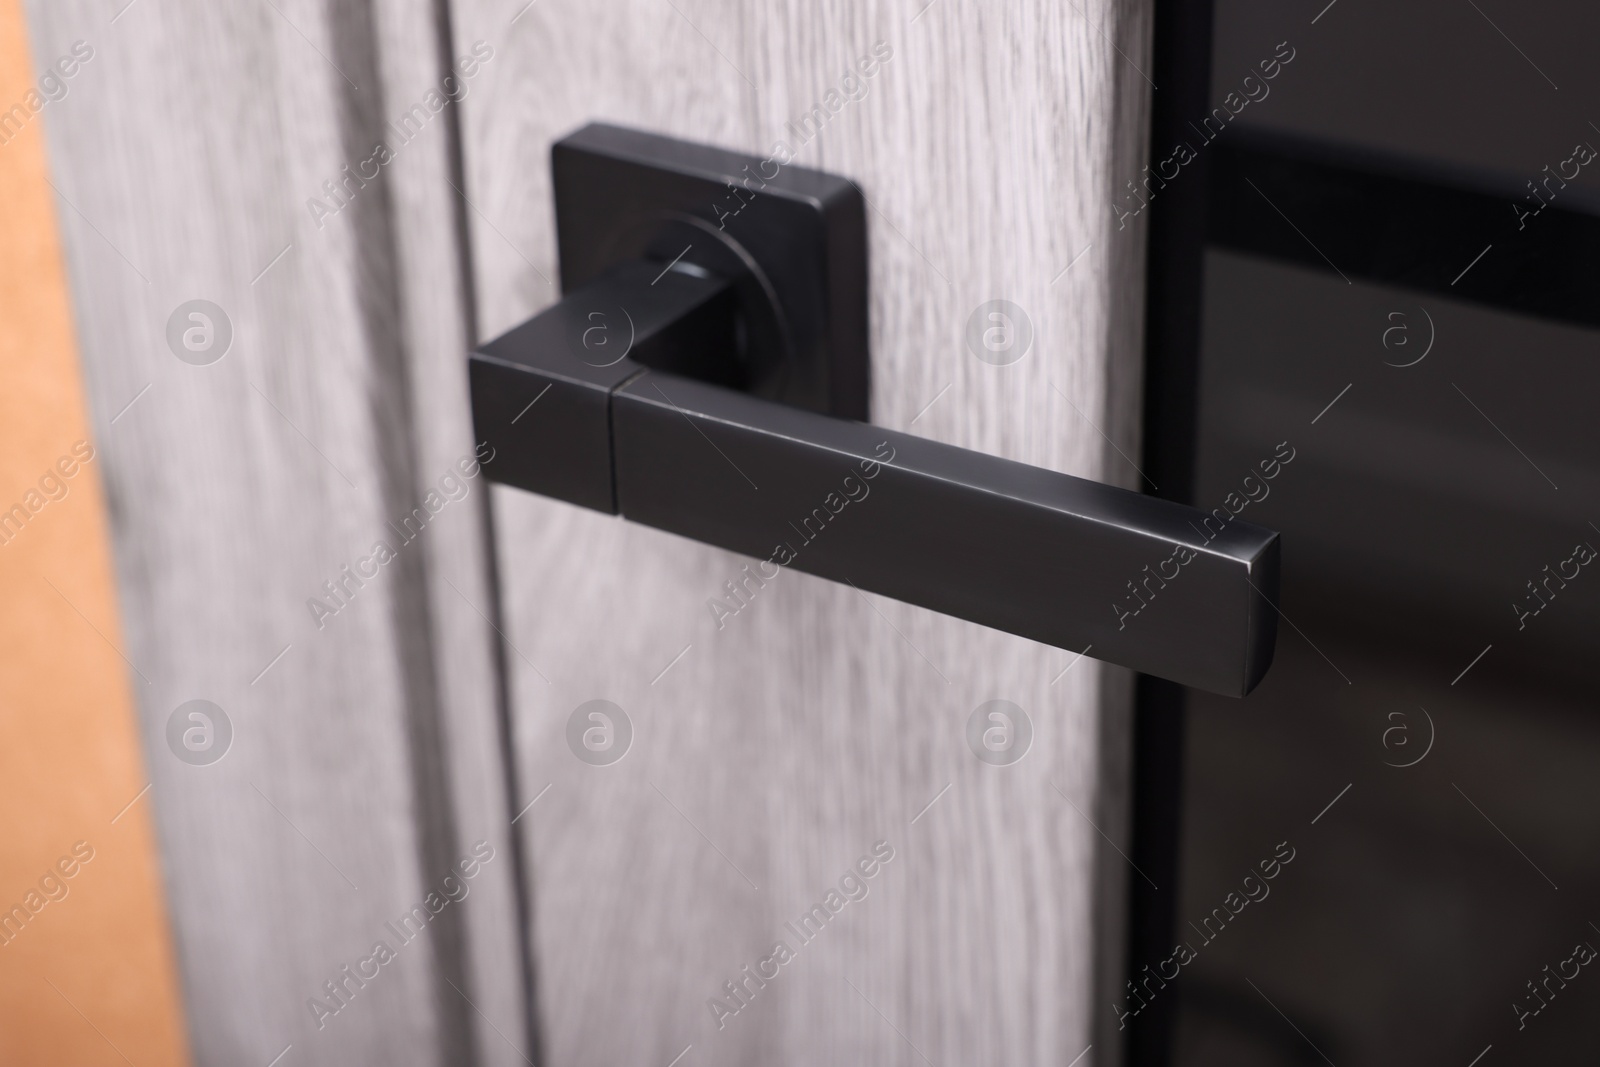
{"x":365,"y":759}
{"x":817,"y":721}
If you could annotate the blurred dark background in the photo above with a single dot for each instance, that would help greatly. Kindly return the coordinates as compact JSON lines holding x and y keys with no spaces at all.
{"x":1421,"y":903}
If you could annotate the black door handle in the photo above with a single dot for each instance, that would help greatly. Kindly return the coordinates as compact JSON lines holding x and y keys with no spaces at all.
{"x":635,"y":395}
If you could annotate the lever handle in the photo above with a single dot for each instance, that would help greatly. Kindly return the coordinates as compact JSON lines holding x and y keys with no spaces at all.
{"x":636,"y":395}
{"x":1058,"y":559}
{"x":1142,"y":582}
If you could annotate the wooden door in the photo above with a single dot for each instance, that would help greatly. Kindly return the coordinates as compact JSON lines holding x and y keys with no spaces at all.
{"x":773,"y":749}
{"x":811,"y":750}
{"x":318,"y":402}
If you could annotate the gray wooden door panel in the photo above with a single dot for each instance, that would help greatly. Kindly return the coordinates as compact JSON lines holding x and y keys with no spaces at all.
{"x":413,"y":43}
{"x":770,"y":754}
{"x":777,"y":750}
{"x":367,"y":755}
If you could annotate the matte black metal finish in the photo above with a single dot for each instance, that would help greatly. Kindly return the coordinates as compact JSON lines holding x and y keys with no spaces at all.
{"x":602,"y":419}
{"x":1058,"y":559}
{"x":568,"y":360}
{"x":793,"y":241}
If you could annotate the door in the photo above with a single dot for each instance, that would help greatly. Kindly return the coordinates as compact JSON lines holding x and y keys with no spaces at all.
{"x":348,"y":197}
{"x":775,"y":748}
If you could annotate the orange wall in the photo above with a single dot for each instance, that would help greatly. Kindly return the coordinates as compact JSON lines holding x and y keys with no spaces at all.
{"x":89,"y":978}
